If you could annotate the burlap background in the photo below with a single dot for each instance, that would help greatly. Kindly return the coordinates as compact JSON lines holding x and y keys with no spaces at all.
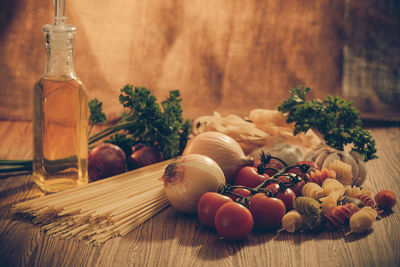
{"x":225,"y":55}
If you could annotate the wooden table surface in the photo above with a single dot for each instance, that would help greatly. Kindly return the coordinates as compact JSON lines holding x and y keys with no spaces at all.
{"x":174,"y":239}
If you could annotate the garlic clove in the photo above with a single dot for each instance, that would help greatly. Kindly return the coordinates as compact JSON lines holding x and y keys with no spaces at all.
{"x":362,"y":170}
{"x":321,"y":156}
{"x":313,"y":154}
{"x":347,"y":158}
{"x":330,"y":158}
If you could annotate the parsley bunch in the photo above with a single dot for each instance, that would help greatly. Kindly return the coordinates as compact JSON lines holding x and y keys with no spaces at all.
{"x":145,"y":122}
{"x":336,"y":119}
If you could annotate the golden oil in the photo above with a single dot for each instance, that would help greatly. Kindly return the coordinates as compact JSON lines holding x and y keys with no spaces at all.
{"x":60,"y":134}
{"x":60,"y":117}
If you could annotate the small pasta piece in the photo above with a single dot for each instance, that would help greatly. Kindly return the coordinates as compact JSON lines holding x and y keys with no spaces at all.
{"x":363,"y":219}
{"x":319,"y":176}
{"x":343,"y":171}
{"x":307,"y":206}
{"x":346,"y":199}
{"x":313,"y":223}
{"x":338,"y":215}
{"x":366,"y":199}
{"x":332,"y":185}
{"x":352,"y":191}
{"x":313,"y":190}
{"x":329,"y":202}
{"x":292,"y":221}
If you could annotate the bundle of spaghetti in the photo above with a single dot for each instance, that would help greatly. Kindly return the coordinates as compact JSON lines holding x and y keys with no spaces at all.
{"x":101,"y":210}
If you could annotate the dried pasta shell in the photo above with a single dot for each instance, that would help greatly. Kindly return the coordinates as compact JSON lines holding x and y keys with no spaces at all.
{"x":307,"y":206}
{"x":352,"y":191}
{"x":343,"y":171}
{"x":346,"y":199}
{"x":332,"y":185}
{"x":329,"y":202}
{"x":319,"y":176}
{"x":313,"y":222}
{"x":292,"y":221}
{"x":348,"y":159}
{"x":363,"y":219}
{"x":313,"y":190}
{"x":338,"y":215}
{"x":366,"y":199}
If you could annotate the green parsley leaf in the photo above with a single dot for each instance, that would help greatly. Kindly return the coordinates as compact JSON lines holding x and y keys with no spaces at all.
{"x":336,"y":119}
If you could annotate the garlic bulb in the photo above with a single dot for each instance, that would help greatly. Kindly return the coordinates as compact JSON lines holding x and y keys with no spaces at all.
{"x":290,"y":154}
{"x":188,"y":178}
{"x":224,"y":150}
{"x":323,"y":156}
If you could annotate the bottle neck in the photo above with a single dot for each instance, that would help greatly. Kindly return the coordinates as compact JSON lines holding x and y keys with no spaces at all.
{"x":59,"y":43}
{"x":59,"y":63}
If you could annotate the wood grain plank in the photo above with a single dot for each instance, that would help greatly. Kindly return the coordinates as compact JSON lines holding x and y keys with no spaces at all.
{"x":174,"y":239}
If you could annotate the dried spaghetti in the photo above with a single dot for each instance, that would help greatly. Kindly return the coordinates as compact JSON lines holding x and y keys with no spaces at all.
{"x":101,"y":210}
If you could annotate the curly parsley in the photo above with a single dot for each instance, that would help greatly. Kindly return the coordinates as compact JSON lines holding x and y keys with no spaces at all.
{"x":336,"y":119}
{"x":146,"y":122}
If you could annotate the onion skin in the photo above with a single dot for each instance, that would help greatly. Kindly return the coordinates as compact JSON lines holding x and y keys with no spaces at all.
{"x":188,"y":178}
{"x":223,"y":149}
{"x":104,"y":161}
{"x":143,"y":156}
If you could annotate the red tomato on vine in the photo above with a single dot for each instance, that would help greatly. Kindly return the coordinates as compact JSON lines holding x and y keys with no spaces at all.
{"x":240,"y":191}
{"x":233,"y":221}
{"x":208,"y":205}
{"x":248,"y":176}
{"x":267,"y":211}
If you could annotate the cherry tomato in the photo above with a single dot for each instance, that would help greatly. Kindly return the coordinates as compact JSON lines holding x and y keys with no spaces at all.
{"x":267,"y":211}
{"x":297,"y":188}
{"x":233,"y":221}
{"x":208,"y":205}
{"x":248,"y":176}
{"x":273,"y":163}
{"x":273,"y":187}
{"x":288,"y":197}
{"x":385,"y":199}
{"x":296,"y":170}
{"x":240,"y":191}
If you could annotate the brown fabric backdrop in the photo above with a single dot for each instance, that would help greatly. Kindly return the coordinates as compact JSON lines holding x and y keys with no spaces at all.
{"x":225,"y":55}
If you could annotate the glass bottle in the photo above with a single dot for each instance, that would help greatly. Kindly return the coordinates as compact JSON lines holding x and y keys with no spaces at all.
{"x":60,"y":116}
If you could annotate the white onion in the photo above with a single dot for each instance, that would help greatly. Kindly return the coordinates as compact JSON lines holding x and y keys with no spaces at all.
{"x":223,"y":149}
{"x":188,"y":178}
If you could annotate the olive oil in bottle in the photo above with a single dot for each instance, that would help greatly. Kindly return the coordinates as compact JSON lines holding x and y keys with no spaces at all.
{"x":60,"y":116}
